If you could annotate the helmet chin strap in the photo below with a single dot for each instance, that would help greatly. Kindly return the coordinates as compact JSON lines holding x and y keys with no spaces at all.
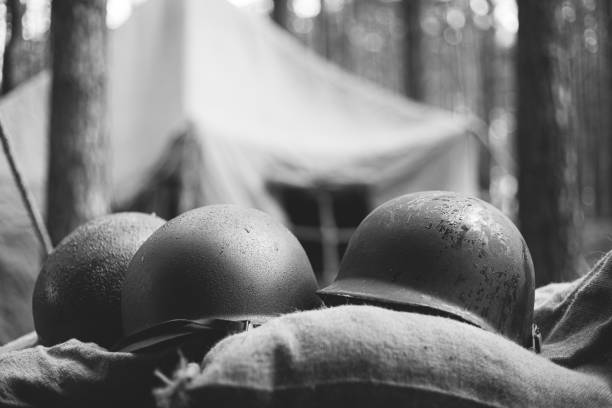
{"x":175,"y":329}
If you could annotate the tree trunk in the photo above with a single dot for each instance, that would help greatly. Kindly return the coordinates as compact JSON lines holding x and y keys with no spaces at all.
{"x":322,"y":27}
{"x":9,"y":65}
{"x":280,"y":13}
{"x":549,"y":205}
{"x":78,"y":179}
{"x":413,"y":66}
{"x":604,"y":170}
{"x":487,"y":103}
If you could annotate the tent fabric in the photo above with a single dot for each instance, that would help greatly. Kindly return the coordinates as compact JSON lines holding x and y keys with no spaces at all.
{"x":299,"y":120}
{"x":175,"y":185}
{"x":265,"y":107}
{"x":20,"y":252}
{"x":353,"y":355}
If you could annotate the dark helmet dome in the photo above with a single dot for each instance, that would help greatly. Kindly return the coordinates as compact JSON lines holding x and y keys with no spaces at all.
{"x":217,"y":261}
{"x":78,"y":290}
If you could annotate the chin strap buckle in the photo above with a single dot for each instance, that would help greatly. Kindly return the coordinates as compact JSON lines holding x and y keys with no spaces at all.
{"x":249,"y":325}
{"x":536,"y":339}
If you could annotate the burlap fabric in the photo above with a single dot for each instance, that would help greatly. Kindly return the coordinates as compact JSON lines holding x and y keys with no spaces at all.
{"x":74,"y":374}
{"x":576,"y":318}
{"x":362,"y":356}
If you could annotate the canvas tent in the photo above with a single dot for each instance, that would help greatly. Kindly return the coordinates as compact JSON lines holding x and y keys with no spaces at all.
{"x":264,"y":106}
{"x":300,"y":120}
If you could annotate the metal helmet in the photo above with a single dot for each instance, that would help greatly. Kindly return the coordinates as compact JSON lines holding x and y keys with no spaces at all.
{"x":441,"y":253}
{"x":214,"y":267}
{"x":78,"y":290}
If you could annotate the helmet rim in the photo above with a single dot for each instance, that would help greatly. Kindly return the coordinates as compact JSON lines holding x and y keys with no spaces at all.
{"x":377,"y":291}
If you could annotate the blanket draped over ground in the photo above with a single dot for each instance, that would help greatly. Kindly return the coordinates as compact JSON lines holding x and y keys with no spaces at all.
{"x":349,"y":356}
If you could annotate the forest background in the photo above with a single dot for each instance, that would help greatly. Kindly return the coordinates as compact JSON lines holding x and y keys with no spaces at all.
{"x":536,"y":74}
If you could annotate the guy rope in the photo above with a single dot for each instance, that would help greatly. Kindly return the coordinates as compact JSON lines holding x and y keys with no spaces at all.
{"x":26,"y":196}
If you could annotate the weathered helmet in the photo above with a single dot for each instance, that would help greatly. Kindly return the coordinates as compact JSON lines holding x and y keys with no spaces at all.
{"x":214,"y":267}
{"x":441,"y":253}
{"x":78,"y":291}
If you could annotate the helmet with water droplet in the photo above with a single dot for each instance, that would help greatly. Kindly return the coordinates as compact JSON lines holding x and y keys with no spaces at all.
{"x":441,"y":253}
{"x":212,"y":267}
{"x":78,"y":291}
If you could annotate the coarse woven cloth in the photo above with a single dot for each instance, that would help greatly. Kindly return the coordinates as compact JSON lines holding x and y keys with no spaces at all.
{"x":77,"y":374}
{"x":353,"y":356}
{"x":576,"y":318}
{"x":74,"y":374}
{"x":364,"y":356}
